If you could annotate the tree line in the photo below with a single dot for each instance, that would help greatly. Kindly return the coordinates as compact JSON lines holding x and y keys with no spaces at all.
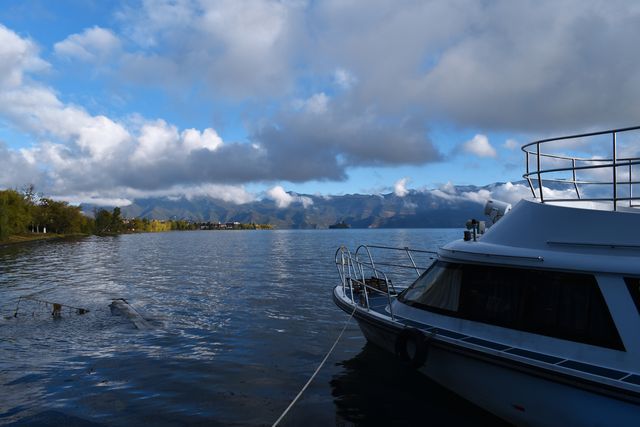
{"x":23,"y":212}
{"x":112,"y":223}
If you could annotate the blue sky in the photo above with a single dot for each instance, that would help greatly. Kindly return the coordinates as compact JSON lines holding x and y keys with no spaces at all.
{"x":105,"y":102}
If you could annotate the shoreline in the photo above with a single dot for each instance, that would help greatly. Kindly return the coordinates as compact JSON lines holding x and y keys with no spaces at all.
{"x":22,"y":239}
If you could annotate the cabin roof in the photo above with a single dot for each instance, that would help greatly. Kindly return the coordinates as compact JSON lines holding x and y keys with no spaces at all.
{"x":549,"y":236}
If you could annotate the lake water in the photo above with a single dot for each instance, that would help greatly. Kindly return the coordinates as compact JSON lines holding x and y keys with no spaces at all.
{"x":239,"y":321}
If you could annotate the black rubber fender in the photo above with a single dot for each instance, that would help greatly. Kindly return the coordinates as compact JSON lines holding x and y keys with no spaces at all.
{"x":416,"y":339}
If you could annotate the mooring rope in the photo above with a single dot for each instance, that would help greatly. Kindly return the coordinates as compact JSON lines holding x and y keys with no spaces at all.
{"x":293,"y":402}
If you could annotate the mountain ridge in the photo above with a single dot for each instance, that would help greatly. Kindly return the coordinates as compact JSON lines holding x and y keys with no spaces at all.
{"x":447,"y":207}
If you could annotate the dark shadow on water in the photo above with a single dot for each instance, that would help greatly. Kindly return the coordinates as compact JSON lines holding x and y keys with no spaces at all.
{"x":55,"y":418}
{"x":374,"y":388}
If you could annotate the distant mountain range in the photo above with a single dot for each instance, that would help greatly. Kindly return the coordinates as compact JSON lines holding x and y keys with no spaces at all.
{"x":415,"y":209}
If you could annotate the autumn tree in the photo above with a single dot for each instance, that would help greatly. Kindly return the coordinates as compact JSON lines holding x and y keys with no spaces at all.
{"x":117,"y":224}
{"x":15,"y":215}
{"x":102,"y":221}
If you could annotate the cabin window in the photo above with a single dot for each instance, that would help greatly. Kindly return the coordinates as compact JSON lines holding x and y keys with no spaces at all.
{"x":633,"y":284}
{"x":557,"y":304}
{"x":438,"y":288}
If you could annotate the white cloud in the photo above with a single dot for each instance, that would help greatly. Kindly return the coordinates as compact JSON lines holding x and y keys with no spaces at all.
{"x":228,"y":193}
{"x":155,"y":140}
{"x":100,"y":136}
{"x":17,"y":168}
{"x":281,"y":197}
{"x":461,"y":61}
{"x":92,"y":45}
{"x":315,"y":104}
{"x":238,"y":47}
{"x":306,"y":201}
{"x":193,"y":139}
{"x":344,"y":78}
{"x":448,"y":188}
{"x":400,"y":187}
{"x":454,"y":60}
{"x":76,"y":153}
{"x":508,"y":192}
{"x":479,"y":145}
{"x":124,"y":196}
{"x":37,"y":110}
{"x":495,"y":65}
{"x":78,"y":199}
{"x":284,"y":199}
{"x":511,"y":144}
{"x":17,"y":57}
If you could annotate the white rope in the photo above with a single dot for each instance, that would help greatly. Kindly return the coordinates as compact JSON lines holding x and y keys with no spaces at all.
{"x":293,"y":402}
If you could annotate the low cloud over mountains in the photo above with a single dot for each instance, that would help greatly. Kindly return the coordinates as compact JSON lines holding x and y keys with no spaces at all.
{"x":447,"y":206}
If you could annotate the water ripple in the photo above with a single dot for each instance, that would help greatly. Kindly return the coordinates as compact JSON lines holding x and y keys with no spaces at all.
{"x":238,"y":322}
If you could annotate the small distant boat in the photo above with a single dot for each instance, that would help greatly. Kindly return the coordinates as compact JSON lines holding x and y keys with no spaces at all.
{"x":537,"y":320}
{"x":340,"y":224}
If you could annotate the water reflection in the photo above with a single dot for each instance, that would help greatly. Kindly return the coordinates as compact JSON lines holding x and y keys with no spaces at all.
{"x":373,"y":388}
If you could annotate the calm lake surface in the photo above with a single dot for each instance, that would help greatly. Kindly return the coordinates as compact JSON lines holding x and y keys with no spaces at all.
{"x":239,"y":321}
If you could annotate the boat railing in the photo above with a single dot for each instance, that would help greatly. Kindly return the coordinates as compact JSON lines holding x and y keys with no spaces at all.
{"x":609,"y":178}
{"x":361,"y":275}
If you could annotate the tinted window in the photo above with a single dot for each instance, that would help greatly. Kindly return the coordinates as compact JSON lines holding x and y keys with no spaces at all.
{"x":557,"y":304}
{"x":633,"y":284}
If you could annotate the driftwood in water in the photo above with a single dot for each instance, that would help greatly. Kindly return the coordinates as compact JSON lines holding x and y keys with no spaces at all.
{"x":122,"y":307}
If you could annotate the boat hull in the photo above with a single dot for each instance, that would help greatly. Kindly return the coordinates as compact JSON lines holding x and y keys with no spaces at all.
{"x":517,"y":396}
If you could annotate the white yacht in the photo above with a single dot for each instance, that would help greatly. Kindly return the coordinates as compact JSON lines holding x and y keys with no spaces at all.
{"x":537,"y":320}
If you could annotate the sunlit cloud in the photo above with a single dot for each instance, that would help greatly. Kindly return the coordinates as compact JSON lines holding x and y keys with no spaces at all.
{"x":284,"y":199}
{"x":479,"y":146}
{"x":400,"y":187}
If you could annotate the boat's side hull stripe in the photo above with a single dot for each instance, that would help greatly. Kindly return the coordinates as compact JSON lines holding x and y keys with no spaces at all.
{"x":596,"y":370}
{"x":534,"y":355}
{"x":632,"y":379}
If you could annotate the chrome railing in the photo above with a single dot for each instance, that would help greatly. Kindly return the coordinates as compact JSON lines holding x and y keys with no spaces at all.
{"x":362,"y":277}
{"x":614,"y":174}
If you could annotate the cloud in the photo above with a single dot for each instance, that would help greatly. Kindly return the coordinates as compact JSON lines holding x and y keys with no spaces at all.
{"x":535,"y":67}
{"x":344,"y":78}
{"x":124,"y":196}
{"x":229,"y":193}
{"x":284,"y":199}
{"x":529,"y":67}
{"x":400,"y":187}
{"x":37,"y":110}
{"x":18,"y":168}
{"x":92,"y":45}
{"x":508,"y":192}
{"x":238,"y":47}
{"x":479,"y":146}
{"x":18,"y":56}
{"x":511,"y":144}
{"x":78,"y":199}
{"x":80,"y":153}
{"x":316,"y":104}
{"x":372,"y":78}
{"x":325,"y":144}
{"x":193,"y":139}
